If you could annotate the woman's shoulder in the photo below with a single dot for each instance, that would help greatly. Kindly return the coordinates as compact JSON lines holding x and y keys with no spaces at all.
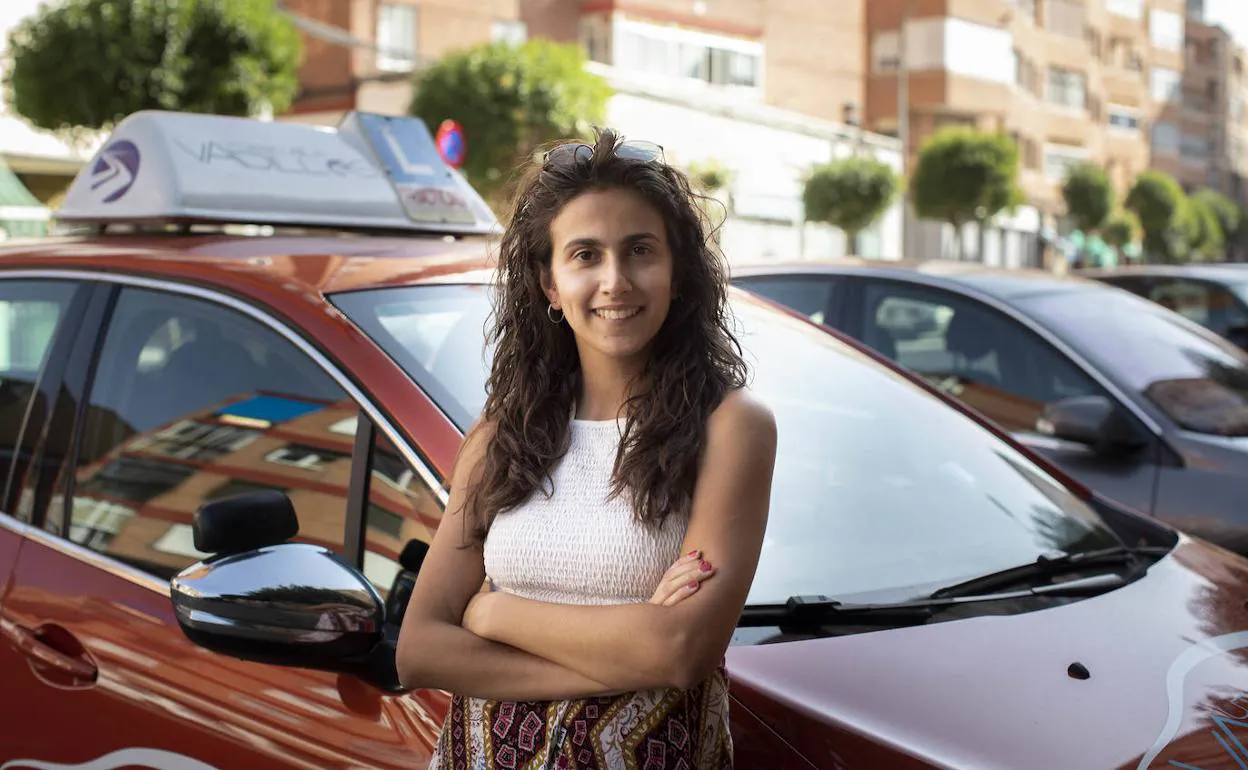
{"x":741,"y":413}
{"x":473,"y":448}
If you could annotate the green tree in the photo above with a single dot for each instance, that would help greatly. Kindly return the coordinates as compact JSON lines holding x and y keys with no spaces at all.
{"x":1204,"y":230}
{"x":850,"y":194}
{"x":1089,"y":196}
{"x":1160,"y":204}
{"x":1121,"y":228}
{"x":83,"y":65}
{"x":1224,"y":209}
{"x":965,"y":175}
{"x":510,"y":100}
{"x":709,"y":176}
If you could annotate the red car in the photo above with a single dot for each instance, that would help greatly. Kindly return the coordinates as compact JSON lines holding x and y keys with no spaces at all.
{"x":226,"y":439}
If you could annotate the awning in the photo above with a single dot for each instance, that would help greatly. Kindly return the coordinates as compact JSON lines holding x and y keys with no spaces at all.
{"x":22,"y":215}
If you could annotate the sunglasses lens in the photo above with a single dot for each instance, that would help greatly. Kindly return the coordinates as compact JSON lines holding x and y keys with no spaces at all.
{"x":568,"y":153}
{"x":644,"y":151}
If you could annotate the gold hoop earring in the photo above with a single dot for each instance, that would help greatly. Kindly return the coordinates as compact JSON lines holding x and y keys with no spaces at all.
{"x":550,"y":313}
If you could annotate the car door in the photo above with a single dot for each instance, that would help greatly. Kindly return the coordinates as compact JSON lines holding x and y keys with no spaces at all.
{"x":816,"y":296}
{"x":190,"y":400}
{"x":38,"y":321}
{"x":1001,"y":368}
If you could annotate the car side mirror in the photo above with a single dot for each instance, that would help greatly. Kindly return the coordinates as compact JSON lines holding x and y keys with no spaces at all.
{"x":1092,"y":420}
{"x":1238,"y":335}
{"x":291,"y":604}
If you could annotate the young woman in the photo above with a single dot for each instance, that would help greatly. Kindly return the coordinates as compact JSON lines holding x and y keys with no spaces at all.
{"x":617,"y":436}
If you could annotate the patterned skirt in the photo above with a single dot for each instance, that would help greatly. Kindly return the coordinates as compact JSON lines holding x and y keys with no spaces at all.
{"x":649,"y":730}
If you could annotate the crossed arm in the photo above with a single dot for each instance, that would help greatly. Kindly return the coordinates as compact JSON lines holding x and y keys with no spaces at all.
{"x":503,"y":646}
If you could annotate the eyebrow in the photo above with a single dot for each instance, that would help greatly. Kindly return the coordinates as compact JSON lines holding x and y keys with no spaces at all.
{"x":577,"y":243}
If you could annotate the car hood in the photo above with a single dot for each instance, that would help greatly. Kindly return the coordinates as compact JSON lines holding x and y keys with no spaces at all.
{"x":1167,"y":665}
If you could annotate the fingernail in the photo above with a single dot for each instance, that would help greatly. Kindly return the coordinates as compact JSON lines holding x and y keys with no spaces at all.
{"x":693,"y":584}
{"x":705,"y":565}
{"x":695,"y":553}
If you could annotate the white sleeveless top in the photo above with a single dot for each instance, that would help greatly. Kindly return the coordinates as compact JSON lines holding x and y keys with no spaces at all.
{"x":576,"y":546}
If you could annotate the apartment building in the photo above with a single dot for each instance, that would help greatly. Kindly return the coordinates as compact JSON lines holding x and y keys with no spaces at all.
{"x":360,"y":54}
{"x":1070,"y":80}
{"x":1198,"y":135}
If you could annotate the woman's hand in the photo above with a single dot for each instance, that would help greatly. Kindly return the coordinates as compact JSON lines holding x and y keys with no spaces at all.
{"x":477,"y":612}
{"x":682,"y":579}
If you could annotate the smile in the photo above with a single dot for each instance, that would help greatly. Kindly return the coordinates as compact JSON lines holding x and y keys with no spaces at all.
{"x":616,"y":313}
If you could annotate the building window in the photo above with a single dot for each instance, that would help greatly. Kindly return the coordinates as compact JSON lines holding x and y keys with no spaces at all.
{"x":886,"y":52}
{"x":596,"y":37}
{"x":1124,"y":118}
{"x":510,"y":32}
{"x":1026,"y":9}
{"x":1067,"y":88}
{"x":688,"y":55}
{"x":1194,"y":147}
{"x":1059,"y":158}
{"x":1165,"y":137}
{"x":396,"y":37}
{"x":1165,"y":29}
{"x":1065,"y":17}
{"x":1165,"y":84}
{"x":1132,"y":9}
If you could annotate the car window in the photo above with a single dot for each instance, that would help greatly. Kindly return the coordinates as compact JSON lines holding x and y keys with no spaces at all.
{"x":881,"y":490}
{"x":194,"y":402}
{"x":30,"y":313}
{"x":1208,"y":304}
{"x":972,"y":351}
{"x":402,"y":513}
{"x":809,"y":295}
{"x":1192,"y":375}
{"x":437,"y":338}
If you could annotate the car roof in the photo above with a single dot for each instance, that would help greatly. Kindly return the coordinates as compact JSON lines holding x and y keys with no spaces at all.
{"x":1223,"y":273}
{"x":1002,"y":283}
{"x":317,"y":263}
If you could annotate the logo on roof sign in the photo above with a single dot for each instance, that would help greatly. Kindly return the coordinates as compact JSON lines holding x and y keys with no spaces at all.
{"x":115,"y":170}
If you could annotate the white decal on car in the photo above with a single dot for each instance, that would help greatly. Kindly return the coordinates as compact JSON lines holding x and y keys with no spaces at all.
{"x":1175,"y":677}
{"x":156,"y":759}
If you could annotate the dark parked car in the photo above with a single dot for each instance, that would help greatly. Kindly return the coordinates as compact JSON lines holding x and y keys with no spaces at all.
{"x":1138,"y":402}
{"x":1214,"y":296}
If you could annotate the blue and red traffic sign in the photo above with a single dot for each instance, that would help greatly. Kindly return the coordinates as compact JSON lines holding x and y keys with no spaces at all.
{"x":451,"y":144}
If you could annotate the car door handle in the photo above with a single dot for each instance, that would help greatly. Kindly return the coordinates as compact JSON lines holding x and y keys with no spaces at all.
{"x":40,"y":647}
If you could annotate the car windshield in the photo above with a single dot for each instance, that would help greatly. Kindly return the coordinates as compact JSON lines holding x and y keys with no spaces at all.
{"x":881,"y":490}
{"x":1195,"y":377}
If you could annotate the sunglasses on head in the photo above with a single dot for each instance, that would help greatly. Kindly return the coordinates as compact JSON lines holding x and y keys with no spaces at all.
{"x":579,"y":152}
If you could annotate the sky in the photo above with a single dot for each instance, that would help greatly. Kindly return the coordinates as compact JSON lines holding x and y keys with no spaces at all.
{"x":1232,"y":14}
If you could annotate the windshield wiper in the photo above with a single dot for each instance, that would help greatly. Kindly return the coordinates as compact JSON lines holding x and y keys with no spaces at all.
{"x":1048,"y":566}
{"x":813,"y":612}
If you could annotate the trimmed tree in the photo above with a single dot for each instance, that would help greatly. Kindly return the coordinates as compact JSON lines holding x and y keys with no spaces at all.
{"x":1121,"y":228}
{"x":83,"y":65}
{"x":1205,"y":237}
{"x":510,"y":100}
{"x":1089,"y":196}
{"x":850,"y":194}
{"x":965,"y":175}
{"x":1224,"y":210}
{"x":1160,"y":203}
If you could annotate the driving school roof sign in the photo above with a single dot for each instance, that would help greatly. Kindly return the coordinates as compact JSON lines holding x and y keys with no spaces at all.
{"x":371,"y":171}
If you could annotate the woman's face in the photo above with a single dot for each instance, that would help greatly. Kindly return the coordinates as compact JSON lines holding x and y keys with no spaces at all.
{"x":610,"y":274}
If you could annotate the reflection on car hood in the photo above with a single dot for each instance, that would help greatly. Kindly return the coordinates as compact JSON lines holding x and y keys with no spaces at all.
{"x":1166,"y":658}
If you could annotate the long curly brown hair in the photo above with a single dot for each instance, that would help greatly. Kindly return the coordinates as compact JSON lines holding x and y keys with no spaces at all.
{"x":695,"y":358}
